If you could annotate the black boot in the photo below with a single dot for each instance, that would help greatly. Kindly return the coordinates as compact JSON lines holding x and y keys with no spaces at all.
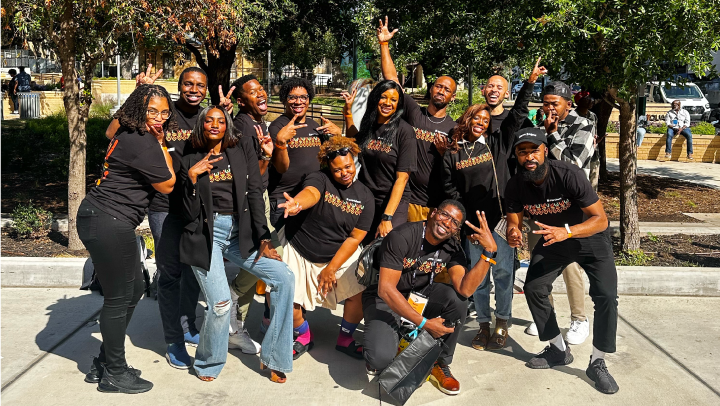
{"x":98,"y":367}
{"x":125,"y":382}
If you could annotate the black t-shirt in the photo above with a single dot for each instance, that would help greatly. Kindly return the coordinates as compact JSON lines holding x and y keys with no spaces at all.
{"x":302,"y":151}
{"x":246,"y":125}
{"x":133,"y":162}
{"x":318,"y":235}
{"x":381,"y":159}
{"x":222,"y":185}
{"x":178,"y":146}
{"x":425,"y":184}
{"x":468,"y":177}
{"x":405,"y":245}
{"x":557,"y":201}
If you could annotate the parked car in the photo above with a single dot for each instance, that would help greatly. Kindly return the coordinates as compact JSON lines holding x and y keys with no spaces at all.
{"x":537,"y":93}
{"x":690,"y":96}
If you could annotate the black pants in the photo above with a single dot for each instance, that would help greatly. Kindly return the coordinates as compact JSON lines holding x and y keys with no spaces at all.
{"x":178,"y":289}
{"x":399,"y":218}
{"x":114,"y":252}
{"x":546,"y":266}
{"x":381,"y":339}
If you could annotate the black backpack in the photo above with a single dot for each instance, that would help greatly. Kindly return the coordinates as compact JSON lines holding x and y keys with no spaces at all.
{"x":367,"y":274}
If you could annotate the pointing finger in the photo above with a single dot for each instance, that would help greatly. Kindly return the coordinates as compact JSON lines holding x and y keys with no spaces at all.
{"x":230,"y":92}
{"x":149,"y":69}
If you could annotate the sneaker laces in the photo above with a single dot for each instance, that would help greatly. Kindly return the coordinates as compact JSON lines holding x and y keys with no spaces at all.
{"x":575,"y":326}
{"x":445,"y":370}
{"x":601,"y":369}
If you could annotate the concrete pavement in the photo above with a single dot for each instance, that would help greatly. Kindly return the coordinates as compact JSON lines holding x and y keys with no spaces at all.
{"x":695,"y":172}
{"x":667,"y":352}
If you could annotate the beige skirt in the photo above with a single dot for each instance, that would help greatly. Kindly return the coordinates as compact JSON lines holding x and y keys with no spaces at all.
{"x":306,"y":283}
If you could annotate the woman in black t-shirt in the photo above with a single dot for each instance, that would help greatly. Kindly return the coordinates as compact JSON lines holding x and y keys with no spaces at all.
{"x":136,"y":165}
{"x":222,"y":200}
{"x":323,"y":243}
{"x":388,"y":154}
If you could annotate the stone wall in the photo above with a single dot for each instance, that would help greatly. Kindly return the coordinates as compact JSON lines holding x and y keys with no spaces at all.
{"x":706,"y":148}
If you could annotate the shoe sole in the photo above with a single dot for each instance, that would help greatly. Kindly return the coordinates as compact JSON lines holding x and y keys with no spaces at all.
{"x":309,"y":347}
{"x":530,"y":333}
{"x":187,"y":344}
{"x":173,"y":365}
{"x":568,"y":360}
{"x":243,"y":351}
{"x":587,"y":373}
{"x":92,"y":380}
{"x":478,"y":347}
{"x":114,"y":389}
{"x":436,"y":383}
{"x":573,"y":342}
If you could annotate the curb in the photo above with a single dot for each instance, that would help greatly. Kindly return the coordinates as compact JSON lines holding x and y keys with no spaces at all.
{"x":59,"y":223}
{"x":632,"y":280}
{"x":671,"y":228}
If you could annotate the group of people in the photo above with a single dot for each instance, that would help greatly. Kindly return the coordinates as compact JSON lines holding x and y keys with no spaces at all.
{"x":293,"y":202}
{"x":19,"y":83}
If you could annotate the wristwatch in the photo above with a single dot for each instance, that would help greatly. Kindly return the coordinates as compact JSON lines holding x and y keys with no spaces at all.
{"x":386,"y":217}
{"x":266,"y":157}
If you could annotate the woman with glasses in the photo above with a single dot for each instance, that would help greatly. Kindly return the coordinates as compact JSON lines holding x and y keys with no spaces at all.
{"x":223,"y":203}
{"x":137,"y":165}
{"x":470,"y":177}
{"x":388,"y":154}
{"x":328,"y":220}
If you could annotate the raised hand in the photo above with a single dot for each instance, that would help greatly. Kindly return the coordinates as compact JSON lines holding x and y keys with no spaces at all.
{"x":225,"y":100}
{"x":292,"y":207}
{"x":266,"y":143}
{"x":537,"y":71}
{"x":349,"y":100}
{"x":551,"y":122}
{"x":482,"y":235}
{"x":329,"y":127}
{"x":145,"y":78}
{"x":383,"y":33}
{"x":551,"y":234}
{"x":290,"y":130}
{"x":202,"y":166}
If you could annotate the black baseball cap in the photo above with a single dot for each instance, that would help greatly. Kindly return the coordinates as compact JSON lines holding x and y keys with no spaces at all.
{"x":536,"y":136}
{"x":558,"y":88}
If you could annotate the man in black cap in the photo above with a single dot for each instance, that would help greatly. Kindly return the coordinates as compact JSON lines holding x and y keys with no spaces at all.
{"x":574,"y":228}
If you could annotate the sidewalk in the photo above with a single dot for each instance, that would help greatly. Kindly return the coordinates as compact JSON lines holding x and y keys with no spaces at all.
{"x":667,"y":353}
{"x":697,"y":172}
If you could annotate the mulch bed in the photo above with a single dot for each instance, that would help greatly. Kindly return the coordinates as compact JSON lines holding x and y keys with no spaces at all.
{"x":661,"y":199}
{"x":55,"y":244}
{"x":678,"y":250}
{"x":51,"y":196}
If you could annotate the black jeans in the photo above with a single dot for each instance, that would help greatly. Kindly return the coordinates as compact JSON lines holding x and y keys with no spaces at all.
{"x":114,"y":252}
{"x":178,"y":289}
{"x":547,"y":265}
{"x":399,"y":218}
{"x":381,"y":338}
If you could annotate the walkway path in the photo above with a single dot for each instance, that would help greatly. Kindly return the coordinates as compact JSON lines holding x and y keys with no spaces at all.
{"x":696,"y":172}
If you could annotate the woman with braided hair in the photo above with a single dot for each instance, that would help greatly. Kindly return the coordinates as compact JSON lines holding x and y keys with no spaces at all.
{"x":137,"y":165}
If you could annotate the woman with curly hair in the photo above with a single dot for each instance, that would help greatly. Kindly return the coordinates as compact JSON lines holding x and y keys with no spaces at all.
{"x":471,"y":178}
{"x":332,"y":215}
{"x":223,"y":203}
{"x":137,"y":165}
{"x":388,"y":156}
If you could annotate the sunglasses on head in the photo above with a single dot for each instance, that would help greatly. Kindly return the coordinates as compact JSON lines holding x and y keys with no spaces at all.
{"x":342,"y":152}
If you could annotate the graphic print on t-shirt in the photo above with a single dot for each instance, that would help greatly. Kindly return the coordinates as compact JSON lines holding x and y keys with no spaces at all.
{"x":553,"y":206}
{"x":106,"y":165}
{"x":379,"y":145}
{"x":472,"y":161}
{"x":425,"y":135}
{"x":347,"y":206}
{"x":427,"y":266}
{"x":304,"y":142}
{"x":222,"y":175}
{"x":180,"y":135}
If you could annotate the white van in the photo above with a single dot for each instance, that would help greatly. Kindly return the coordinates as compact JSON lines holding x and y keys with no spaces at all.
{"x":690,"y":96}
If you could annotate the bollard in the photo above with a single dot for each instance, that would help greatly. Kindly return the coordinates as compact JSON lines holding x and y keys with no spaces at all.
{"x":29,"y":104}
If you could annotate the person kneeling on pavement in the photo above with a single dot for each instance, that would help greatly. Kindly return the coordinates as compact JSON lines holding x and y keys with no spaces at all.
{"x":575,"y":229}
{"x":408,"y":259}
{"x":331,"y":216}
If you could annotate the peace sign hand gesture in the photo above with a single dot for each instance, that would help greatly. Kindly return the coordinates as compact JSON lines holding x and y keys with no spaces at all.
{"x":292,"y":207}
{"x":383,"y":33}
{"x":202,"y":166}
{"x":537,"y":71}
{"x":145,"y":78}
{"x":551,"y":234}
{"x":349,"y":100}
{"x":290,"y":130}
{"x":328,"y":127}
{"x":266,"y":143}
{"x":482,"y":235}
{"x":225,"y":100}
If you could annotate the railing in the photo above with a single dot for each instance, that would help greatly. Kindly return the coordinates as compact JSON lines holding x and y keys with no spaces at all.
{"x":314,"y":111}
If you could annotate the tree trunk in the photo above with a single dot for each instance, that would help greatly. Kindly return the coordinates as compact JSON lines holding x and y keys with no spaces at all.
{"x":629,"y":223}
{"x":126,"y":65}
{"x":603,"y":111}
{"x":217,"y":68}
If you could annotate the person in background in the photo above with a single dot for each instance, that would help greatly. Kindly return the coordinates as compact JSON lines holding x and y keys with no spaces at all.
{"x":678,"y":122}
{"x":584,"y":101}
{"x":23,"y":80}
{"x":12,"y":90}
{"x":641,"y":123}
{"x":330,"y":217}
{"x":137,"y":165}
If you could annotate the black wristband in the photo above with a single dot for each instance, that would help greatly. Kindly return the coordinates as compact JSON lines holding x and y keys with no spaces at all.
{"x":489,"y":254}
{"x":386,"y":217}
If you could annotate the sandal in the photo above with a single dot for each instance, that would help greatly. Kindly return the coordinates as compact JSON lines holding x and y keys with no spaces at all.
{"x":499,"y":338}
{"x":206,"y":378}
{"x":275,"y":376}
{"x":299,"y":349}
{"x":353,"y":350}
{"x":482,"y":337}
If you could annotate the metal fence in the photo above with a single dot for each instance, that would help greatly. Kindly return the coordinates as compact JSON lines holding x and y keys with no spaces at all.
{"x":12,"y":58}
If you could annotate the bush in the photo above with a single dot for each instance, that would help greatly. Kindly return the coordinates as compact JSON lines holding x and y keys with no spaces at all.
{"x":633,"y":258}
{"x":703,"y":128}
{"x":458,"y":107}
{"x":30,"y":221}
{"x":613,"y":127}
{"x":656,"y":129}
{"x":101,"y":110}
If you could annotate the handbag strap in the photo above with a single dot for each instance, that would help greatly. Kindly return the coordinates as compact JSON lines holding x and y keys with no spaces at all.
{"x":497,"y":186}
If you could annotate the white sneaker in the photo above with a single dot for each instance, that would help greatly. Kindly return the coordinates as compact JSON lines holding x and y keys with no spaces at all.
{"x":242,"y":341}
{"x":531,"y":330}
{"x":579,"y":331}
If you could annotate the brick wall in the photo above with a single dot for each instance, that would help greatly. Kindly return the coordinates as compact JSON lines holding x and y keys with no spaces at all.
{"x":706,"y":148}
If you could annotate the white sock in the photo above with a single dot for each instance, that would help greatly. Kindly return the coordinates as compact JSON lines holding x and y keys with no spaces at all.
{"x":558,"y":342}
{"x":596,"y":354}
{"x":233,"y":313}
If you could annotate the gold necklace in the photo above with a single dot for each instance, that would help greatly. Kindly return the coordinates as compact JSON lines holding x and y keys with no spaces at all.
{"x":472,"y":149}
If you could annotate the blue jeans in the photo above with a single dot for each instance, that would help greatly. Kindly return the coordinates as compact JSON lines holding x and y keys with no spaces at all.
{"x":671,"y":133}
{"x":277,"y":345}
{"x":502,"y":274}
{"x":640,"y":135}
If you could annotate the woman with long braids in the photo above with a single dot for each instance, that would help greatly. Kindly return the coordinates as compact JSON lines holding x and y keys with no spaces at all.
{"x":470,"y":176}
{"x":388,"y":154}
{"x":137,"y":165}
{"x":223,"y":202}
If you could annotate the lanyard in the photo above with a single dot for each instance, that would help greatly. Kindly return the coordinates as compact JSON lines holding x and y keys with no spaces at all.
{"x":435,"y":259}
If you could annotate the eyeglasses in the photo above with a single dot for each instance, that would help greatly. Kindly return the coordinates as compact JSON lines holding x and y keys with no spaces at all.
{"x":302,"y":97}
{"x":442,"y":215}
{"x":342,"y":152}
{"x":152,"y":113}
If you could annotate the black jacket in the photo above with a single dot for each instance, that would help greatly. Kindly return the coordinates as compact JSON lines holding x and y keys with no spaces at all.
{"x":197,"y":239}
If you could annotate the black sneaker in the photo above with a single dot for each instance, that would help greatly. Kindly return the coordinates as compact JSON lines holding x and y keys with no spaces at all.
{"x":97,"y":368}
{"x":125,"y":382}
{"x":551,"y":356}
{"x":598,"y":373}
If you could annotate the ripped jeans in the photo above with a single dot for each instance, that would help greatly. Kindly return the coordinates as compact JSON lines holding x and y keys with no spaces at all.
{"x":212,"y":350}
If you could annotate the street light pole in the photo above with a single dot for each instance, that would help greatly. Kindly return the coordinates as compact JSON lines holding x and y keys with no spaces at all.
{"x":355,"y":64}
{"x":269,"y":80}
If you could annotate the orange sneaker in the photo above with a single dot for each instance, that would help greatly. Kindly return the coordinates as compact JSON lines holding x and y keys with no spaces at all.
{"x":444,"y":379}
